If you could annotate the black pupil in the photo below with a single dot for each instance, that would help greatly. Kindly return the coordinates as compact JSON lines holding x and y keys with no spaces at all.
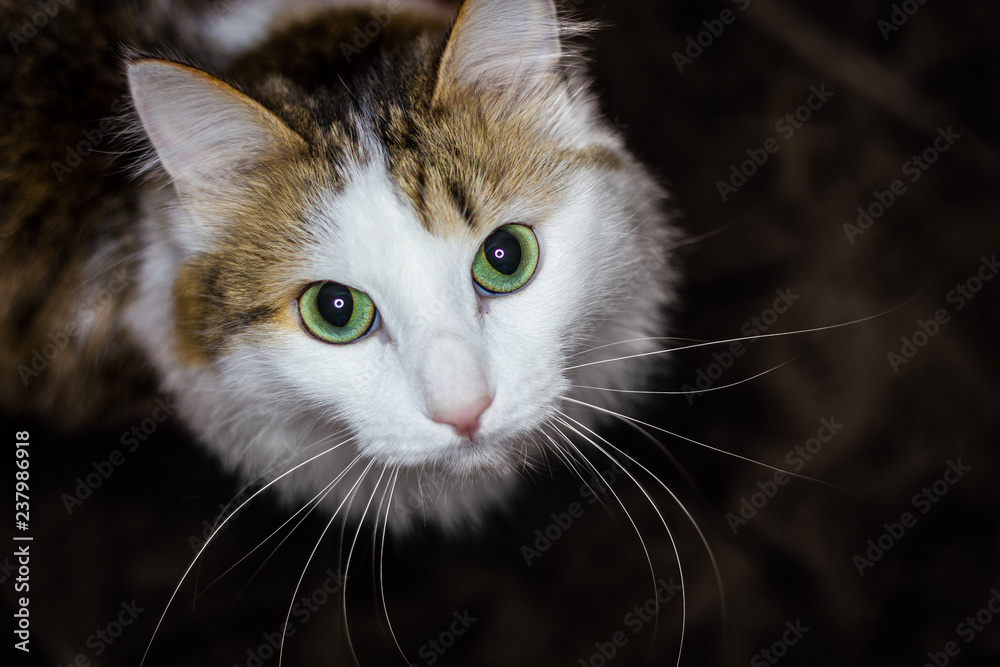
{"x":335,"y":304}
{"x":503,"y":252}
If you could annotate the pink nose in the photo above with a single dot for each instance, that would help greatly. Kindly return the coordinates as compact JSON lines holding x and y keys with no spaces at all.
{"x":463,"y":418}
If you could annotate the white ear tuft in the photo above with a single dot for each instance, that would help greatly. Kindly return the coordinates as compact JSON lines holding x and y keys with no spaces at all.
{"x":501,"y":45}
{"x":203,"y":129}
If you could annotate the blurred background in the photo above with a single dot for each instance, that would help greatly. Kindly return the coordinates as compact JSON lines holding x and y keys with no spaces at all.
{"x":772,"y":123}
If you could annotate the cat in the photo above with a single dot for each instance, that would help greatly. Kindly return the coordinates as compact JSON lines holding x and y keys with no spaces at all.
{"x":370,"y":249}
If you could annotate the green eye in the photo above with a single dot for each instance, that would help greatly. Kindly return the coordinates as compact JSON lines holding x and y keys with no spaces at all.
{"x":336,"y":313}
{"x":507,"y":260}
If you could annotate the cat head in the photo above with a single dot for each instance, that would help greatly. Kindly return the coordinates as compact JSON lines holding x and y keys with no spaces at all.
{"x":408,"y":258}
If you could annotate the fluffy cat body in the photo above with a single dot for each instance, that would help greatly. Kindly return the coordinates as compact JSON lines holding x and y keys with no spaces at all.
{"x":307,"y":156}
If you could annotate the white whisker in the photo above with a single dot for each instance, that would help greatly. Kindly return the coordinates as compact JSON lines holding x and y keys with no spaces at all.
{"x":669,"y":454}
{"x":697,"y":391}
{"x":701,"y":444}
{"x":215,"y":532}
{"x":585,"y":460}
{"x":381,"y":565}
{"x":744,"y":338}
{"x":644,"y":339}
{"x":563,"y":456}
{"x":690,"y":517}
{"x":670,"y":535}
{"x":350,"y":552}
{"x":691,"y":240}
{"x":310,"y":505}
{"x":312,"y":554}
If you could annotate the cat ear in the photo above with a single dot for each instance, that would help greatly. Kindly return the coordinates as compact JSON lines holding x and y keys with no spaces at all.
{"x":203,"y":129}
{"x":508,"y":46}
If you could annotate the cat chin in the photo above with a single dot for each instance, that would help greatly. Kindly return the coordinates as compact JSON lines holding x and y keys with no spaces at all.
{"x":417,"y":498}
{"x":450,"y":482}
{"x":453,"y":490}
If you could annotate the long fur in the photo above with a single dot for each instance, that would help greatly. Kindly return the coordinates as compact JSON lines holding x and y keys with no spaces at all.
{"x":299,"y":159}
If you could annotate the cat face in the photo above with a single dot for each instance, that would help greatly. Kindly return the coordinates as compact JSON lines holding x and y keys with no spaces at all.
{"x":415,"y":281}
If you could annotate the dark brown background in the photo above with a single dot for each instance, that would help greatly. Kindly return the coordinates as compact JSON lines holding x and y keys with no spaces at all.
{"x":782,"y":230}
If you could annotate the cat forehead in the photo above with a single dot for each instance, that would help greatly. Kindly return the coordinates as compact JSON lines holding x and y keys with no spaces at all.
{"x":370,"y":219}
{"x":369,"y":234}
{"x":461,"y":173}
{"x":457,"y":173}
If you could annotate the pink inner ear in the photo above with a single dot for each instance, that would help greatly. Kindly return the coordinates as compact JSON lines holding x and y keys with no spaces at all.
{"x":501,"y":45}
{"x":202,"y":128}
